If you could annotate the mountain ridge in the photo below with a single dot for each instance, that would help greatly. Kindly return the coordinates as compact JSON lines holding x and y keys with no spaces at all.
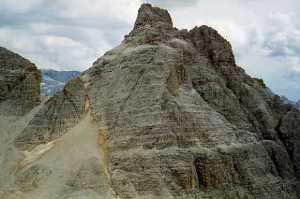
{"x":166,"y":114}
{"x":54,"y":81}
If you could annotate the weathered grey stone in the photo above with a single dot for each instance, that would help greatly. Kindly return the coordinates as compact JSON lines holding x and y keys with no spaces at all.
{"x":153,"y":16}
{"x":19,"y":84}
{"x":56,"y":116}
{"x":180,"y":119}
{"x":32,"y":177}
{"x":175,"y":118}
{"x":290,"y":134}
{"x":89,"y":178}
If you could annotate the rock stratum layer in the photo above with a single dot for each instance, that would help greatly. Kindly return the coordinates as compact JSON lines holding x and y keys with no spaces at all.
{"x":166,"y":114}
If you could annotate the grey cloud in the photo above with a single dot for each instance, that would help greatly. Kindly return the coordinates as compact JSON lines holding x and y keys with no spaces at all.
{"x":50,"y":35}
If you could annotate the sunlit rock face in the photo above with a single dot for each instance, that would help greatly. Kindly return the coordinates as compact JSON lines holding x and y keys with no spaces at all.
{"x":166,"y":114}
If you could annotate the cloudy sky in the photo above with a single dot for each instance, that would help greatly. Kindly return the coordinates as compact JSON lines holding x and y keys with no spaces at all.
{"x":71,"y":34}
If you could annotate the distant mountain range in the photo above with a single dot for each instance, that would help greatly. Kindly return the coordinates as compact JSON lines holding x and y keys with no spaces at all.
{"x":54,"y":81}
{"x":285,"y":100}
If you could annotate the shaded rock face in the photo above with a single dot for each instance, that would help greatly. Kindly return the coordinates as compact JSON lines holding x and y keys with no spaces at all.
{"x":55,"y":117}
{"x":289,"y":131}
{"x":19,"y":84}
{"x":175,"y":118}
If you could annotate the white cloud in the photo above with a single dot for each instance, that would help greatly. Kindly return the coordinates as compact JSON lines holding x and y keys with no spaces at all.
{"x":17,"y":6}
{"x":65,"y":34}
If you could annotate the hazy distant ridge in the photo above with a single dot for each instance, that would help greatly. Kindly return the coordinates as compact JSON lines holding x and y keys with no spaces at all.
{"x":54,"y":81}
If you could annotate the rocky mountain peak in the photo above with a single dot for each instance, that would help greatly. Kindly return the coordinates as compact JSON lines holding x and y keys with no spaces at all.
{"x":166,"y":114}
{"x":153,"y":25}
{"x":153,"y":16}
{"x":208,"y":41}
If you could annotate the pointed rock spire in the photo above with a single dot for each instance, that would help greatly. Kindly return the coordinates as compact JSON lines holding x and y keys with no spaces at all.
{"x":153,"y":16}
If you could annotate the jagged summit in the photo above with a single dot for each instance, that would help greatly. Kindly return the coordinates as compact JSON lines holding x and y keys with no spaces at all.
{"x":207,"y":40}
{"x":153,"y":16}
{"x":154,"y":26}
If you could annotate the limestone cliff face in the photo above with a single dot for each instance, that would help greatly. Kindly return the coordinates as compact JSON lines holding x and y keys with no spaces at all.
{"x":19,"y":84}
{"x":183,"y":120}
{"x":174,"y":117}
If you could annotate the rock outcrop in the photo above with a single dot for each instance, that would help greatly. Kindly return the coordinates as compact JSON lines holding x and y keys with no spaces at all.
{"x":55,"y":117}
{"x":173,"y":116}
{"x":289,"y":129}
{"x":181,"y":119}
{"x":19,"y":84}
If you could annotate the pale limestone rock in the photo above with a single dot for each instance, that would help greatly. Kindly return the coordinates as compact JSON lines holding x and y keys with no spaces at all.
{"x":167,"y":114}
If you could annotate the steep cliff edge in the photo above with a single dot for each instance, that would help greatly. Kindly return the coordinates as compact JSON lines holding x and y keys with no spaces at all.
{"x":166,"y":114}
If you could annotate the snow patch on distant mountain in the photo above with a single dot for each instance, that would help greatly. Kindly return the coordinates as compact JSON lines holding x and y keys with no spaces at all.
{"x":54,"y":81}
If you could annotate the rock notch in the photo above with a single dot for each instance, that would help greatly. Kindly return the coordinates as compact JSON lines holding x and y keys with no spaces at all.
{"x":153,"y":16}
